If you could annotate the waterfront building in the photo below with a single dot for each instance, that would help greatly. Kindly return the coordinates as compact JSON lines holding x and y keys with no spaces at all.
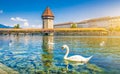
{"x":47,"y":18}
{"x":115,"y":22}
{"x":63,"y":25}
{"x":102,"y":22}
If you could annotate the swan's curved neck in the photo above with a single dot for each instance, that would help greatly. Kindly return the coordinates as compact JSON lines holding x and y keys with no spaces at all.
{"x":67,"y":52}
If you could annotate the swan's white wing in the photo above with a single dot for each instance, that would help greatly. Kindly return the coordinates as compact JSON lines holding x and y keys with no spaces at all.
{"x":76,"y":58}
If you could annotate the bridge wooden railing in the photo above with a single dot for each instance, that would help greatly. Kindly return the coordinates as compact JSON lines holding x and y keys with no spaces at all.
{"x":34,"y":30}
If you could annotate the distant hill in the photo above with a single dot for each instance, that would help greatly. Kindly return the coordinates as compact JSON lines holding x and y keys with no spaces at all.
{"x":4,"y":26}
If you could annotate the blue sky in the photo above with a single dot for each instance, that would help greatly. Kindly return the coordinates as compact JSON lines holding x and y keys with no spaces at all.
{"x":28,"y":13}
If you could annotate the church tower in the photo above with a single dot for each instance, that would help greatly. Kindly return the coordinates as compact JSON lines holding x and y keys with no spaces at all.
{"x":47,"y":18}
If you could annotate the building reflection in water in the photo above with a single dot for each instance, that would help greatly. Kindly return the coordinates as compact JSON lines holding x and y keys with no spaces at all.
{"x":47,"y":56}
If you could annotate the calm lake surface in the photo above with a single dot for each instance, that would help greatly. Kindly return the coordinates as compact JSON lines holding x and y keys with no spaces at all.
{"x":37,"y":54}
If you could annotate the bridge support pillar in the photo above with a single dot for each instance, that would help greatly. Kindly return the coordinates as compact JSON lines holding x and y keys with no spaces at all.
{"x":47,"y":34}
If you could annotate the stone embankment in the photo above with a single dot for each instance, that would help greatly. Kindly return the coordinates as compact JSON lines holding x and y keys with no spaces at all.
{"x":6,"y":70}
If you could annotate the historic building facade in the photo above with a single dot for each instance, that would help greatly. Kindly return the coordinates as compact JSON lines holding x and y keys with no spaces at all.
{"x":103,"y":22}
{"x":63,"y":25}
{"x":47,"y":18}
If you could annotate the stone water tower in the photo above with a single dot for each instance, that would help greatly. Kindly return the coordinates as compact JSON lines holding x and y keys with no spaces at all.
{"x":47,"y":18}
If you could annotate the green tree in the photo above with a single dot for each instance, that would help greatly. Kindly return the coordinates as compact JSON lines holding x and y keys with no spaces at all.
{"x":17,"y":26}
{"x":73,"y":25}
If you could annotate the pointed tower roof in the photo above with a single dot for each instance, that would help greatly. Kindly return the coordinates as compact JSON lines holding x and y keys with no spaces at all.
{"x":47,"y":12}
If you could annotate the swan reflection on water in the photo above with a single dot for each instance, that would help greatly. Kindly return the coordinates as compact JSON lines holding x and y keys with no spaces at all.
{"x":74,"y":64}
{"x":80,"y":66}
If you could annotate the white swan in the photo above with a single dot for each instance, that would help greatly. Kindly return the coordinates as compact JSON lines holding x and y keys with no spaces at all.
{"x":10,"y":43}
{"x":102,"y":43}
{"x":75,"y":58}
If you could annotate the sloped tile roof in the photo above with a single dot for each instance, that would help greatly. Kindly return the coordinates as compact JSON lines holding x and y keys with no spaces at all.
{"x":47,"y":12}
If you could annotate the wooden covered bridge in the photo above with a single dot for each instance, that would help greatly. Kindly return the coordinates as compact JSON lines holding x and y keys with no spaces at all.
{"x":57,"y":31}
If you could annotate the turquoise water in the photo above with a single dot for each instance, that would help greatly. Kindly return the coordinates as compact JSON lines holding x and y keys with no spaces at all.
{"x":37,"y":54}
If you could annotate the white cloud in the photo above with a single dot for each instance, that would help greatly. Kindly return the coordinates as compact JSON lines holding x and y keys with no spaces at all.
{"x":12,"y":19}
{"x":18,"y":19}
{"x":1,"y":11}
{"x":33,"y":26}
{"x":36,"y":26}
{"x":26,"y":24}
